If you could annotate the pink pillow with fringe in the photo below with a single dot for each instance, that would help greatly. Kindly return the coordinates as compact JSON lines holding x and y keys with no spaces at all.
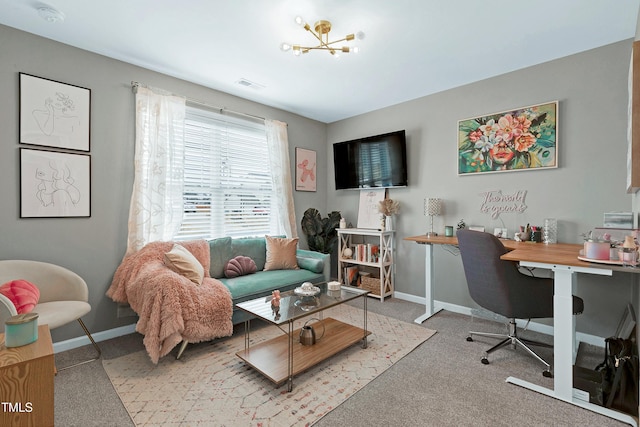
{"x":239,"y":266}
{"x":24,"y":295}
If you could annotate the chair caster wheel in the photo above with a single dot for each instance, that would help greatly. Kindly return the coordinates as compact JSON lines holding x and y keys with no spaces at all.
{"x":469,"y":339}
{"x":484,"y":361}
{"x":547,"y":374}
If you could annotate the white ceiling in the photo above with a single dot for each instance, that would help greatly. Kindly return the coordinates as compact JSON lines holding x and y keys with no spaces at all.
{"x":412,"y":48}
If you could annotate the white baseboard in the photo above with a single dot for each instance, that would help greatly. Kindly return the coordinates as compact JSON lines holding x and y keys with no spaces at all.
{"x":98,"y":336}
{"x":125,"y":330}
{"x":533,"y":326}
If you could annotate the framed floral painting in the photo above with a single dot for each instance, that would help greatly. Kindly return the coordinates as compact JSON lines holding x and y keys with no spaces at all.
{"x":516,"y":140}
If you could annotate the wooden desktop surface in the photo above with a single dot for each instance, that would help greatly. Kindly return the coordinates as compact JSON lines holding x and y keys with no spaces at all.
{"x":556,"y":253}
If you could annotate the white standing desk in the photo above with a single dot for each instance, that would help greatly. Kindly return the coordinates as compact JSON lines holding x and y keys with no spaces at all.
{"x":562,"y":259}
{"x":429,"y":244}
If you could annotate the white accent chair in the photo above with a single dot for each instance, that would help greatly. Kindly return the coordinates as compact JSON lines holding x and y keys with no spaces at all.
{"x":64,"y":295}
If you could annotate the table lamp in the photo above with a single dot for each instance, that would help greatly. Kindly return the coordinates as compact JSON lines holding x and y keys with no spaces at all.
{"x":432,"y":207}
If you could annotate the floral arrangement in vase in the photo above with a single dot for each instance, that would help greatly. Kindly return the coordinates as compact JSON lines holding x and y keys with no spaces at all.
{"x":388,"y":208}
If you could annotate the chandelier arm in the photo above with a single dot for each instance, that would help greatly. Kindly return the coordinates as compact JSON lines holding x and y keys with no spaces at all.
{"x":325,"y":46}
{"x":322,"y":42}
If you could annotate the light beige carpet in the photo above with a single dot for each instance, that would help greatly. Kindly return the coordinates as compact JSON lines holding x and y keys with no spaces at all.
{"x":211,"y":386}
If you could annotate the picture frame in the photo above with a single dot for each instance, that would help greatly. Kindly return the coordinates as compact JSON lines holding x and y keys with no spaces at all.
{"x":54,"y":184}
{"x":369,"y":216}
{"x":305,"y":169}
{"x":521,"y":139}
{"x":54,"y":114}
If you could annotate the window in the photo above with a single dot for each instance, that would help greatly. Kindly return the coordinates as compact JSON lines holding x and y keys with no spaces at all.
{"x":228,"y":188}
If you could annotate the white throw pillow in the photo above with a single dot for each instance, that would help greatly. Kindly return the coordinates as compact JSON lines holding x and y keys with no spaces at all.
{"x":180,"y":260}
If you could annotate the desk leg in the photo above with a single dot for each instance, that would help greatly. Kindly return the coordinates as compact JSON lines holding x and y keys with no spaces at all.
{"x":428,"y":279}
{"x":565,"y":344}
{"x":564,"y":340}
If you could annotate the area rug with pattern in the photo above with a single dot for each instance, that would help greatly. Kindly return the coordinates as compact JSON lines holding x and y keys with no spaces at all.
{"x":210,"y":386}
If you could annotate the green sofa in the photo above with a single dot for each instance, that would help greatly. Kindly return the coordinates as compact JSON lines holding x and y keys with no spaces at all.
{"x":314,"y":267}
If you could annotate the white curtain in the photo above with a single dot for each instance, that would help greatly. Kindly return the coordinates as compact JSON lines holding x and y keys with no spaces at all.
{"x":284,"y":211}
{"x":157,"y":200}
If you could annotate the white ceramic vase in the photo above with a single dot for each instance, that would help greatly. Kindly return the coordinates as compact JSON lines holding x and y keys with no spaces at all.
{"x":388,"y":223}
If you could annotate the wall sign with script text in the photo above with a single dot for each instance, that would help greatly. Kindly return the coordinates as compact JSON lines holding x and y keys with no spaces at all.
{"x":495,"y":202}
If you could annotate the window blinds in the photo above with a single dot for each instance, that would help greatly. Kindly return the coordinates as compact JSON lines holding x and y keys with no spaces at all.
{"x":227,"y":178}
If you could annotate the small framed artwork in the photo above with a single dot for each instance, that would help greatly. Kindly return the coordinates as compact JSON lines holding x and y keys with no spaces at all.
{"x":515,"y":140}
{"x":54,"y":114}
{"x":54,"y":184}
{"x":305,"y":169}
{"x":369,"y":215}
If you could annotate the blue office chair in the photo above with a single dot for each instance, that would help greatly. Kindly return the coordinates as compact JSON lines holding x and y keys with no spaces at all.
{"x":500,"y":287}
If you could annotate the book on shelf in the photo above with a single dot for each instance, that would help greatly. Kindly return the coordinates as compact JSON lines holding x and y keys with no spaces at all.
{"x":351,"y":276}
{"x":366,"y":252}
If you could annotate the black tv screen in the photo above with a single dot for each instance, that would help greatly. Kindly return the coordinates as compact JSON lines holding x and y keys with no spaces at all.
{"x":378,"y":161}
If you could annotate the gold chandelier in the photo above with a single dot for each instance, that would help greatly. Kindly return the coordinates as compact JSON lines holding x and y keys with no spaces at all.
{"x":321,"y":31}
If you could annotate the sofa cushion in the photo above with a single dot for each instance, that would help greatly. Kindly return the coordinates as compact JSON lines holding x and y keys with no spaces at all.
{"x":180,"y":260}
{"x":281,"y":253}
{"x":24,"y":295}
{"x":315,"y":265}
{"x":239,"y":266}
{"x":263,"y":282}
{"x":220,"y":254}
{"x":253,"y":247}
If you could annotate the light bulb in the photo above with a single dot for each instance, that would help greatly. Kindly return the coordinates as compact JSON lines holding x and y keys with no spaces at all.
{"x":360,"y":35}
{"x":285,"y":47}
{"x":355,"y":49}
{"x":296,"y":52}
{"x":300,"y":21}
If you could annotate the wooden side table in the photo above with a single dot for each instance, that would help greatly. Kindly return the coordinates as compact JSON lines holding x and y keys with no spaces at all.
{"x":26,"y":382}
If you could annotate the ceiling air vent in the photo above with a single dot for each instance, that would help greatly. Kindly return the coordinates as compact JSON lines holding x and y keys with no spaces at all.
{"x":248,"y":83}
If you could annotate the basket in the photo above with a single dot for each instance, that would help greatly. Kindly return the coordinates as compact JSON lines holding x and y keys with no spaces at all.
{"x":371,"y":284}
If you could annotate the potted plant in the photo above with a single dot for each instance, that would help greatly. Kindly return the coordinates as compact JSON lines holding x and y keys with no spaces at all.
{"x":320,"y":232}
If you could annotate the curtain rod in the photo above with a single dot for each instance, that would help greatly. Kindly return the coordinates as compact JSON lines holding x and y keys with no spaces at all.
{"x":135,"y":84}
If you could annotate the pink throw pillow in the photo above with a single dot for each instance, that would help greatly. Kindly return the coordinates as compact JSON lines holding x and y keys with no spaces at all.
{"x":239,"y":266}
{"x":24,"y":295}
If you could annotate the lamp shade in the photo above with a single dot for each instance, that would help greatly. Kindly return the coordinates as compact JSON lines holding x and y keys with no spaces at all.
{"x":433,"y":207}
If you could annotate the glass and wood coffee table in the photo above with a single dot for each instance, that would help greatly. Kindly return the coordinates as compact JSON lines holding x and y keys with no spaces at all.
{"x":282,"y":357}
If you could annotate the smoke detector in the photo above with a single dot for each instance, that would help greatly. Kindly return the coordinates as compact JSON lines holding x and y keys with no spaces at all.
{"x":50,"y":14}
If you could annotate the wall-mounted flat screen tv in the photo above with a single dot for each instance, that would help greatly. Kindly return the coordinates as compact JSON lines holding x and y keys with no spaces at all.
{"x":378,"y":161}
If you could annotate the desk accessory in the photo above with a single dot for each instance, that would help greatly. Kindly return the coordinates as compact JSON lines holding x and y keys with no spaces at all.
{"x":550,"y":230}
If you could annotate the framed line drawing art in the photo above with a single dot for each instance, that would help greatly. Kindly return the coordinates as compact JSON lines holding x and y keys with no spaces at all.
{"x":521,"y":139}
{"x":54,"y":114}
{"x":54,"y":184}
{"x":305,"y":169}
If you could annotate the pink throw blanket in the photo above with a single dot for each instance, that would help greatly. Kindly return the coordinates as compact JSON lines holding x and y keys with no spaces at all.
{"x":170,"y":306}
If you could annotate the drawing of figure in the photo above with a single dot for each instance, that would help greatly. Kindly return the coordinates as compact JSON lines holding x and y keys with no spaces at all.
{"x":307,"y":172}
{"x":56,"y":117}
{"x":56,"y":186}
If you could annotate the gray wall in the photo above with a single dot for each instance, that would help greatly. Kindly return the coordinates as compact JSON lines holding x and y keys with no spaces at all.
{"x":591,"y":88}
{"x":93,"y":247}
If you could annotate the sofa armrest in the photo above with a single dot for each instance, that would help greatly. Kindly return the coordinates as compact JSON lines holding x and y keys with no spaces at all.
{"x":325,"y":258}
